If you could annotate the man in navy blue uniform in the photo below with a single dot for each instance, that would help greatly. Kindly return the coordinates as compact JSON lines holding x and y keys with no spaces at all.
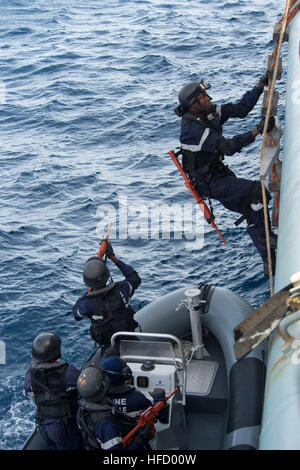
{"x":107,"y":304}
{"x":203,"y":148}
{"x":123,"y":395}
{"x":99,"y":421}
{"x":53,"y":386}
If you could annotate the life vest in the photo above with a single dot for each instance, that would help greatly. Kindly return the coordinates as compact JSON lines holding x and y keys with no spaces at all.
{"x":48,"y":383}
{"x":109,"y":315}
{"x":91,"y":414}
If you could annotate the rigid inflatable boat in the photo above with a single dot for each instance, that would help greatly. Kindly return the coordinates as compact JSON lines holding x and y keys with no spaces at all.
{"x":186,"y":341}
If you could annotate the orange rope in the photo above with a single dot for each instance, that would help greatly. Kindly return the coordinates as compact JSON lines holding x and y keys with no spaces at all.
{"x":291,"y":6}
{"x":293,"y":13}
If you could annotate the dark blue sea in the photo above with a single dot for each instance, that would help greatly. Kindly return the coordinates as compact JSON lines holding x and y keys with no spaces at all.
{"x":86,"y":122}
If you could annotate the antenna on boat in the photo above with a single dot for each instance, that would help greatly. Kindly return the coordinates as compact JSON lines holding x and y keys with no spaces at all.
{"x":193,"y":302}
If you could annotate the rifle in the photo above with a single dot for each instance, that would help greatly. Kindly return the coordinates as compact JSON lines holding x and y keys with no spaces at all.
{"x":207,"y":214}
{"x":145,"y":418}
{"x":104,"y":243}
{"x":103,"y":246}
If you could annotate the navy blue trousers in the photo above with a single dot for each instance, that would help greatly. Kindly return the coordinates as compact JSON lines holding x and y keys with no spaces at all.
{"x":61,"y":435}
{"x":234,"y":193}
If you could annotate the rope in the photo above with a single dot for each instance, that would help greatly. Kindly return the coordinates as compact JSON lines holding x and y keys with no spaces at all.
{"x":188,"y":351}
{"x":263,"y":189}
{"x":291,"y":13}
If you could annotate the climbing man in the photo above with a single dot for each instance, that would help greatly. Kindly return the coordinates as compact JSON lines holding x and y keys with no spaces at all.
{"x":99,"y":421}
{"x":107,"y":303}
{"x":203,"y":148}
{"x":53,"y":386}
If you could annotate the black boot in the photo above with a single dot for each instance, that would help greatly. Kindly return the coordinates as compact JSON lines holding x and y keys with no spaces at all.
{"x":266,"y":264}
{"x":273,"y":241}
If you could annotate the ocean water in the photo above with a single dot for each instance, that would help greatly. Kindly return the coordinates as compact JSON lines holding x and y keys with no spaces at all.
{"x":86,"y":124}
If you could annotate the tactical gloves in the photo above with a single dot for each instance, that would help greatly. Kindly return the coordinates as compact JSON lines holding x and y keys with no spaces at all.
{"x":109,"y":249}
{"x":158,"y":394}
{"x":260,"y":126}
{"x":265,"y":78}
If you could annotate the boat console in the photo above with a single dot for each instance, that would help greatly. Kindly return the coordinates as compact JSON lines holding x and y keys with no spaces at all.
{"x":154,"y":365}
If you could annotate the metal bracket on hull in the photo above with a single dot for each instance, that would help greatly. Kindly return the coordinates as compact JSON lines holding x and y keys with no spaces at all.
{"x":264,"y":320}
{"x":271,"y":150}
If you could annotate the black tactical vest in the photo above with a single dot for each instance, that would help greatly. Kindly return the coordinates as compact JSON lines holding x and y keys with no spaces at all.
{"x":48,"y":382}
{"x":90,"y":415}
{"x":109,"y":316}
{"x":200,"y":164}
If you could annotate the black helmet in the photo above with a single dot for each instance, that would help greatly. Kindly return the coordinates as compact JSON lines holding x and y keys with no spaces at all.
{"x":46,"y":347}
{"x":95,"y":273}
{"x":92,"y":384}
{"x":116,"y":370}
{"x":188,"y":95}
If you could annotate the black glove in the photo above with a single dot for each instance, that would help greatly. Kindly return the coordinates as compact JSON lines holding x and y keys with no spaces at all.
{"x":109,"y":250}
{"x":260,"y":126}
{"x":265,"y":78}
{"x":158,"y":394}
{"x":144,"y":434}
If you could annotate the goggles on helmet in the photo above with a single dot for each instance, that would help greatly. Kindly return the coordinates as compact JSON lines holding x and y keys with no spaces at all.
{"x":201,"y":88}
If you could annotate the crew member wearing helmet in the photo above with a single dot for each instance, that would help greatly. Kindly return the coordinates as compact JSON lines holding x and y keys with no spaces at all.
{"x":53,"y":386}
{"x":203,"y":148}
{"x":107,"y":303}
{"x":123,"y":395}
{"x":99,"y":421}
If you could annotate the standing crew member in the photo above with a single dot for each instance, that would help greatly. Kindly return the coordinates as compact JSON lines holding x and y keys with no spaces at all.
{"x":108,"y":303}
{"x":203,"y":148}
{"x":53,"y":386}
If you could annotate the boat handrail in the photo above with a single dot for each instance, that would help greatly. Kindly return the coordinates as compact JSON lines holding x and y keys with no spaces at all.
{"x":182,"y":383}
{"x":160,"y":360}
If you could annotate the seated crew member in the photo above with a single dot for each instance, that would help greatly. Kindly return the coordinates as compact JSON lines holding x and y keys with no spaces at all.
{"x":124,"y":396}
{"x":98,"y":420}
{"x":203,"y":149}
{"x":53,"y":386}
{"x":108,"y":303}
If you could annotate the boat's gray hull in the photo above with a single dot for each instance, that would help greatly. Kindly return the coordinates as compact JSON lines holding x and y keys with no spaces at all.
{"x":225,"y":310}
